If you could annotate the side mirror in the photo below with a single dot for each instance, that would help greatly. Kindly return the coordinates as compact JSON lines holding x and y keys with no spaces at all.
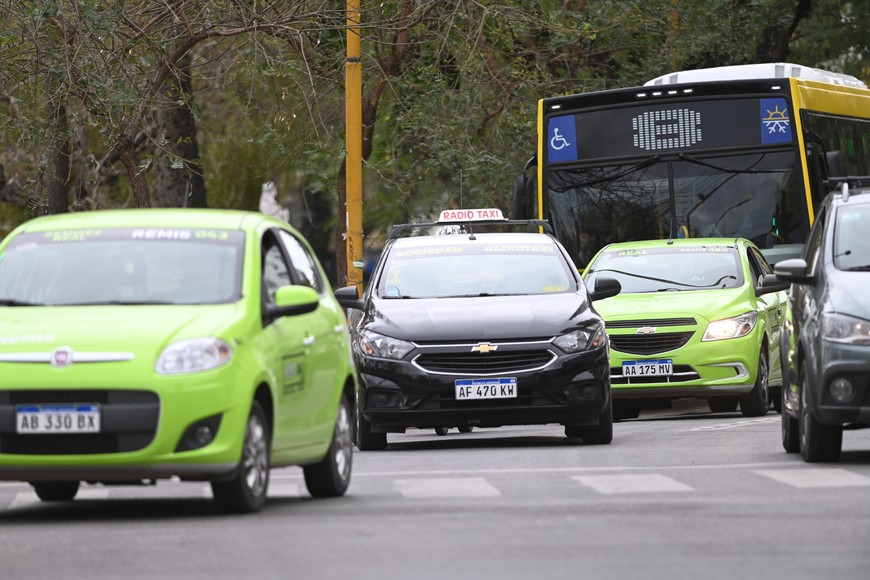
{"x":292,"y":300}
{"x":771,"y":284}
{"x":793,"y":271}
{"x":349,"y":298}
{"x":605,"y":288}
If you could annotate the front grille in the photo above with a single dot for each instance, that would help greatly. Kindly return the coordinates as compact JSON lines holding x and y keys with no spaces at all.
{"x":648,"y":344}
{"x":473,"y":363}
{"x":128,"y":420}
{"x":651,"y":322}
{"x":682,"y":374}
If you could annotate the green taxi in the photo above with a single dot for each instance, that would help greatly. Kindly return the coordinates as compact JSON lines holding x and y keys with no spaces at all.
{"x":696,"y":318}
{"x":138,"y":345}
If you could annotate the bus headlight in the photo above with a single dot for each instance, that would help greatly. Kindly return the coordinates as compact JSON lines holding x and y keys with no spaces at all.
{"x":731,"y":327}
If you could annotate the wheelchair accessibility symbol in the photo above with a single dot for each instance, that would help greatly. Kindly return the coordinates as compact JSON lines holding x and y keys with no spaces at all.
{"x":557,"y":143}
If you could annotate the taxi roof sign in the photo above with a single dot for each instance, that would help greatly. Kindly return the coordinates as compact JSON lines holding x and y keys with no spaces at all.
{"x":470,"y":215}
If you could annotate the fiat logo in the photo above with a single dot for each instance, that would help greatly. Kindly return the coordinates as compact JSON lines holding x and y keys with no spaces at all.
{"x":62,"y":357}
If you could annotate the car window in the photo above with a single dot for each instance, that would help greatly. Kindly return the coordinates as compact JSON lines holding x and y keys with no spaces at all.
{"x":124,"y":265}
{"x":302,"y":262}
{"x":276,"y":273}
{"x":672,"y":268}
{"x":760,"y":266}
{"x":488,"y":268}
{"x":851,"y":242}
{"x":814,"y":243}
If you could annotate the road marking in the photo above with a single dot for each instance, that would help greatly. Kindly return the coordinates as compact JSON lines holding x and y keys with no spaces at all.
{"x":808,"y":478}
{"x":446,"y":487}
{"x":284,"y":489}
{"x":632,"y":483}
{"x":736,"y":424}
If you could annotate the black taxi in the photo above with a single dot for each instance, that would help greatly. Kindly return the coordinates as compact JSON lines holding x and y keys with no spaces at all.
{"x":478,"y":328}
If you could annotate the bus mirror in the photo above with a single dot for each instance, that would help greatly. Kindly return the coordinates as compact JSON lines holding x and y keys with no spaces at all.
{"x":522,"y":206}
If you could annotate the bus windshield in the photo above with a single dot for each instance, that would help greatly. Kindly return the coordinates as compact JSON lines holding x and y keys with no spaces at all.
{"x":758,"y":196}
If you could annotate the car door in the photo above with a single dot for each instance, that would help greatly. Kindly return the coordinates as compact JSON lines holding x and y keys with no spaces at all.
{"x":325,"y":340}
{"x":772,"y":307}
{"x":285,"y":344}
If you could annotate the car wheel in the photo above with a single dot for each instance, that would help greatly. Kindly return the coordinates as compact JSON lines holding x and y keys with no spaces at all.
{"x":626,"y":410}
{"x":246,"y":490}
{"x":331,"y":476}
{"x":466,"y":429}
{"x":756,"y":402}
{"x":441,"y":431}
{"x":364,"y":438}
{"x":818,"y":442}
{"x":723,"y":404}
{"x":600,"y":434}
{"x":56,"y":490}
{"x":790,"y":434}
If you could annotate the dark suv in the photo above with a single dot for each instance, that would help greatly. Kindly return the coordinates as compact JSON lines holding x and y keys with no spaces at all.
{"x":826,"y":347}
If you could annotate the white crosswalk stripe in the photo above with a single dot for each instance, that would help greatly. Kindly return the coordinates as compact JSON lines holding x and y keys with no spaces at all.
{"x":822,"y":477}
{"x":446,"y":487}
{"x":632,"y":483}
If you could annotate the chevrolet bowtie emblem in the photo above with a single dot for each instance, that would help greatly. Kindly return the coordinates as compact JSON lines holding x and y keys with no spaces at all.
{"x":484,"y":347}
{"x":647,"y":330}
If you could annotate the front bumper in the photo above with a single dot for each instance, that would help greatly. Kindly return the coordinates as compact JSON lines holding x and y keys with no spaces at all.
{"x":851,"y":362}
{"x":569,"y":389}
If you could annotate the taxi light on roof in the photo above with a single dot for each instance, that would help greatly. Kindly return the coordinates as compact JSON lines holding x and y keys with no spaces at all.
{"x":470,"y":215}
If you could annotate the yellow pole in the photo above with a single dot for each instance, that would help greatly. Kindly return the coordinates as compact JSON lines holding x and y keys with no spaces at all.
{"x":353,"y":136}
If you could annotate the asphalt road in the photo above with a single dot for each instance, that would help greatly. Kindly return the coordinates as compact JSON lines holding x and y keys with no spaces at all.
{"x":682,"y":494}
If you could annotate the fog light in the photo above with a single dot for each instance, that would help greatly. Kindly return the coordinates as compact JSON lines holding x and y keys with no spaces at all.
{"x":199,"y":434}
{"x":841,"y":390}
{"x":588,"y":392}
{"x":382,"y":400}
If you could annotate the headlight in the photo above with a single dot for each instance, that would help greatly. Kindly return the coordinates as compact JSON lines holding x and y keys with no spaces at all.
{"x":845,"y":329}
{"x":731,"y":327}
{"x":582,"y":339}
{"x":194,"y":355}
{"x":380,"y":346}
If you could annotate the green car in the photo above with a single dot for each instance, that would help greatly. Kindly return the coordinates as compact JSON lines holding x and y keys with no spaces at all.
{"x":138,"y":345}
{"x":696,"y":318}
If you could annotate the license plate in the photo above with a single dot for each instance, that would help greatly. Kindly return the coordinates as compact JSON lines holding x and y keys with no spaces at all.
{"x":57,"y":419}
{"x":486,"y":389}
{"x":647,"y":368}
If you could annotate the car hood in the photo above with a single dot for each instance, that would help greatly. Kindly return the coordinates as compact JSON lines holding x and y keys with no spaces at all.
{"x":847,"y":294}
{"x":138,"y":329}
{"x":704,"y":306}
{"x":484,"y":318}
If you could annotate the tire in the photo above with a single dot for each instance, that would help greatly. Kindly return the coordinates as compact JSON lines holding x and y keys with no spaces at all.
{"x":818,"y":442}
{"x":56,"y":490}
{"x":776,"y":395}
{"x":441,"y":431}
{"x":791,"y":441}
{"x":723,"y":404}
{"x":246,"y":491}
{"x":466,"y":429}
{"x":364,"y":438}
{"x":626,"y":410}
{"x":600,"y":434}
{"x":331,"y":476}
{"x":756,"y":402}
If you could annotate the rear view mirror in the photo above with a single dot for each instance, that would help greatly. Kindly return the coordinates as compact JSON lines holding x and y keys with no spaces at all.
{"x":605,"y":288}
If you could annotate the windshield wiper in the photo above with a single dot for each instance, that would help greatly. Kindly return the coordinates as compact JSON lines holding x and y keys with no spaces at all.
{"x":859,"y":268}
{"x":651,"y":160}
{"x":121,"y":303}
{"x":13,"y":302}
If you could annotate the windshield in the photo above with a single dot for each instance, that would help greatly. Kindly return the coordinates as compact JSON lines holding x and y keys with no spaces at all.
{"x":755,"y":196}
{"x":671,"y":269}
{"x":121,"y":266}
{"x":851,"y":242}
{"x":485,"y":269}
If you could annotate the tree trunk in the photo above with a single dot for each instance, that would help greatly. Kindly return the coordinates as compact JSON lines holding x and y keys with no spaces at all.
{"x":57,"y":165}
{"x":177,"y":170}
{"x":128,"y":157}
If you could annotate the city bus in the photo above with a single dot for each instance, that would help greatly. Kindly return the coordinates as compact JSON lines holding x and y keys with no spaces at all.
{"x":738,"y":151}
